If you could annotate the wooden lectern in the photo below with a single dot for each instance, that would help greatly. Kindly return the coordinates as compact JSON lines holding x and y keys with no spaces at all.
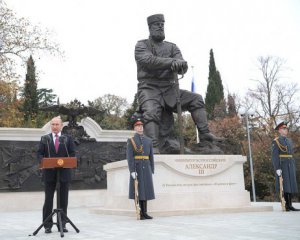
{"x":58,"y":163}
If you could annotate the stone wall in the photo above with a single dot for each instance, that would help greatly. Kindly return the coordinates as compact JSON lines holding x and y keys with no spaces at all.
{"x":19,"y":169}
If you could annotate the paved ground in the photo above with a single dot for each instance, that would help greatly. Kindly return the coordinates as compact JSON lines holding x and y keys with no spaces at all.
{"x":235,"y":226}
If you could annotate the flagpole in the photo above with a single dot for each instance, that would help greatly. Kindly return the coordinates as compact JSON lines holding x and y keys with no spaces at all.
{"x":194,"y":90}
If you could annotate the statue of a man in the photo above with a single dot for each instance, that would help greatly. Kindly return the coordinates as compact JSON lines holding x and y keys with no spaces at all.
{"x":158,"y":63}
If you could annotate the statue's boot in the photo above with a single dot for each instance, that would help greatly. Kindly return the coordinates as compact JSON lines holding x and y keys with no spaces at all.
{"x":210,"y":137}
{"x":151,"y":130}
{"x":200,"y":119}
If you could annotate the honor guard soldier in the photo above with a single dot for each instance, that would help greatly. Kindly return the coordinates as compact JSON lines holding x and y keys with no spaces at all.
{"x":141,"y":168}
{"x":284,"y":164}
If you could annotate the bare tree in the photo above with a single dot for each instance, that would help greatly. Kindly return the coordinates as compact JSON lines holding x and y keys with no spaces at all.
{"x":19,"y":39}
{"x":290,"y":104}
{"x":272,"y":99}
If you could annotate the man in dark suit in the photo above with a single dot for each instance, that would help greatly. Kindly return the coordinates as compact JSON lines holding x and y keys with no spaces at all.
{"x":54,"y":145}
{"x":141,"y":166}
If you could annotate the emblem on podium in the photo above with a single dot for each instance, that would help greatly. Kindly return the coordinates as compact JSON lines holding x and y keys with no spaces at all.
{"x":60,"y":162}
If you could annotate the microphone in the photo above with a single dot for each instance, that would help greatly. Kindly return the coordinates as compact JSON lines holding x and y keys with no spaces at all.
{"x":63,"y":140}
{"x":45,"y":140}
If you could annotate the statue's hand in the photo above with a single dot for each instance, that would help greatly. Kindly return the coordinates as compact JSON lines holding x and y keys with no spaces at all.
{"x":179,"y":66}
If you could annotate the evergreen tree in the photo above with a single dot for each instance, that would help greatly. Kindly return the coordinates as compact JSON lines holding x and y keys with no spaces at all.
{"x":46,"y":97}
{"x":30,"y":94}
{"x":215,"y":91}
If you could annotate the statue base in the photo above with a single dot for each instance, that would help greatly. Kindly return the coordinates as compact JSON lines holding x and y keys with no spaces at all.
{"x":184,"y":184}
{"x":207,"y":147}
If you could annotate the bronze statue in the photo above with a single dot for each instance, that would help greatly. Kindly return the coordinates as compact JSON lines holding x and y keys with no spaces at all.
{"x":158,"y":63}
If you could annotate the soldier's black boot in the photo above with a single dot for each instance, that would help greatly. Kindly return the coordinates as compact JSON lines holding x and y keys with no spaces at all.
{"x":200,"y":119}
{"x":142,"y":212}
{"x":290,"y":203}
{"x":287,"y":203}
{"x":145,"y":211}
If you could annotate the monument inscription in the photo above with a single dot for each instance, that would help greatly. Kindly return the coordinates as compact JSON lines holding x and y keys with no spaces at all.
{"x":200,"y":166}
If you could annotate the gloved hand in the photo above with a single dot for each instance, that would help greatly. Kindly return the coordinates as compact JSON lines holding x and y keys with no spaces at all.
{"x":133,"y":175}
{"x":179,"y":65}
{"x":278,"y":172}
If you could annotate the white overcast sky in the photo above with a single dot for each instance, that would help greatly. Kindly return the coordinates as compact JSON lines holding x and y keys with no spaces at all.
{"x":99,"y":37}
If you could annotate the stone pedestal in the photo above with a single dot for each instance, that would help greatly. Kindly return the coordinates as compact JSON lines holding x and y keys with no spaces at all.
{"x":184,"y":184}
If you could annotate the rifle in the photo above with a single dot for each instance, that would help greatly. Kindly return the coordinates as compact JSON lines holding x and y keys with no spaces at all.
{"x":281,"y":193}
{"x":136,"y":198}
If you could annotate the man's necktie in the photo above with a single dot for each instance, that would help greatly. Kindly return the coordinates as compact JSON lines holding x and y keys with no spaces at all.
{"x":56,"y":143}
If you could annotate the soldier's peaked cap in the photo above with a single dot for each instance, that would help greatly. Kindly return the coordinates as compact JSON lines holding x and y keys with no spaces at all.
{"x":281,"y":125}
{"x":155,"y":18}
{"x":136,"y":120}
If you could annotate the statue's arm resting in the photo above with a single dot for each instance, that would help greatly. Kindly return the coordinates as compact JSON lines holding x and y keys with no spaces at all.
{"x":177,"y":55}
{"x":145,"y":58}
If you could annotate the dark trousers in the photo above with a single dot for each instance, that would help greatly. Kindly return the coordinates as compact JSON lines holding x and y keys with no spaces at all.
{"x":50,"y":188}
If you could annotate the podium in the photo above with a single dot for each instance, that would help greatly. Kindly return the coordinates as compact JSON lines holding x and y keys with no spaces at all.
{"x":58,"y":164}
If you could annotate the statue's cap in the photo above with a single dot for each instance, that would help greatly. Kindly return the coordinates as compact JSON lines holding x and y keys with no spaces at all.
{"x":281,"y":125}
{"x":155,"y":18}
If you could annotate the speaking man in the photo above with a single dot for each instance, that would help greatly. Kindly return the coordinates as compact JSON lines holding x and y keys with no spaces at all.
{"x":55,"y":144}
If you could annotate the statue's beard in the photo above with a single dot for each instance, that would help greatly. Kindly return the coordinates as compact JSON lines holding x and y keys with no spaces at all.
{"x":158,"y":35}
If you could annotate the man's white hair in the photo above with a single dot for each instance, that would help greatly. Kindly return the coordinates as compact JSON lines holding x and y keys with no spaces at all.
{"x":57,"y":117}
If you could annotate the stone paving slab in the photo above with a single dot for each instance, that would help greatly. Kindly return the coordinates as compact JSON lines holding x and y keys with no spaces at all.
{"x":182,"y":212}
{"x":273,"y":225}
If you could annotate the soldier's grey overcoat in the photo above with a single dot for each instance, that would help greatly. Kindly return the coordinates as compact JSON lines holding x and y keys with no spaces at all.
{"x":144,"y":168}
{"x":287,"y":165}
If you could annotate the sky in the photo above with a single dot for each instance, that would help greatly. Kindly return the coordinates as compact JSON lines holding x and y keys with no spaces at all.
{"x":98,"y":38}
